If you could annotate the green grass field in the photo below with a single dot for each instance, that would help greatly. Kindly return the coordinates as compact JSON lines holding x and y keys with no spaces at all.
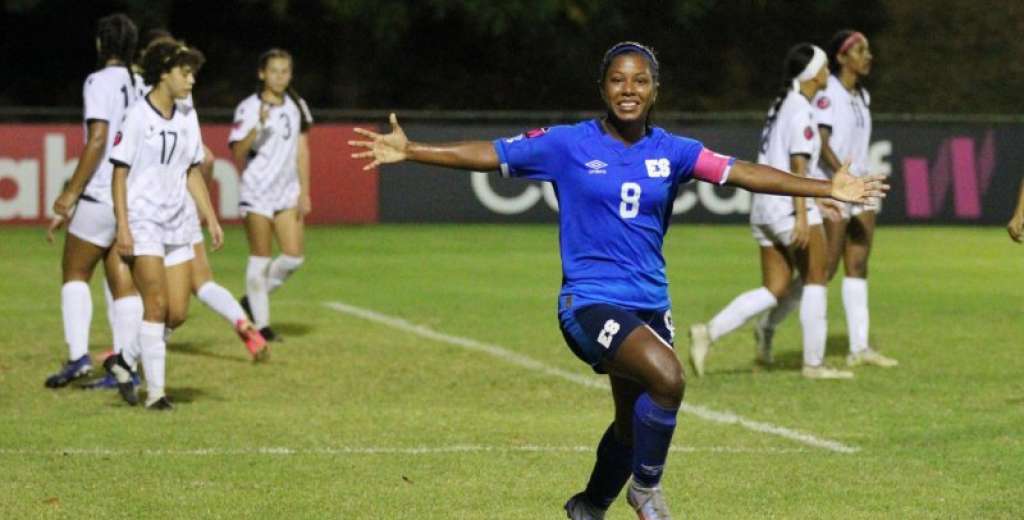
{"x":354,"y":418}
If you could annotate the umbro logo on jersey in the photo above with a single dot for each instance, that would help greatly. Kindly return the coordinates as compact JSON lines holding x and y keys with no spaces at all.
{"x":658,"y":167}
{"x":596,"y":167}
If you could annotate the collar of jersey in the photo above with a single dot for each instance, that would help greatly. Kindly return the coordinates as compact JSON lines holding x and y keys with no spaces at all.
{"x":174,"y":108}
{"x":617,"y":146}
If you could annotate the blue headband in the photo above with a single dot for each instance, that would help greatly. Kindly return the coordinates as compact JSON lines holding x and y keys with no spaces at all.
{"x":627,"y":47}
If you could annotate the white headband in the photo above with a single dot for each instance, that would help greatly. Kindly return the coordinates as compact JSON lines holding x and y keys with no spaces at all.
{"x":811,"y":70}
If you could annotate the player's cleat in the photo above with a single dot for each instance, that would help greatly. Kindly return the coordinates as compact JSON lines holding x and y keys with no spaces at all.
{"x":107,"y":382}
{"x":244,"y":302}
{"x":254,"y":341}
{"x":71,"y":370}
{"x":269,"y":334}
{"x":700,"y":342}
{"x":579,"y":508}
{"x":649,"y":503}
{"x":160,"y":405}
{"x":870,"y":357}
{"x":763,"y":343}
{"x":122,"y":374}
{"x":824,"y":372}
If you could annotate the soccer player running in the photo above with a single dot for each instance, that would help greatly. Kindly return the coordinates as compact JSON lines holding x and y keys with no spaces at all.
{"x":270,"y":145}
{"x":155,"y":158}
{"x":86,"y":202}
{"x":616,"y":179}
{"x":843,"y":115}
{"x":787,"y":229}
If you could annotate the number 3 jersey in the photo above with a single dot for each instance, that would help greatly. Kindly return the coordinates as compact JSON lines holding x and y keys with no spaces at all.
{"x":272,"y":167}
{"x":107,"y":94}
{"x":158,"y":153}
{"x":615,"y":202}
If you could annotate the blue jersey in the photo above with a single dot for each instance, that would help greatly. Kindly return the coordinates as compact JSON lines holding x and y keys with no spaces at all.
{"x":615,"y":202}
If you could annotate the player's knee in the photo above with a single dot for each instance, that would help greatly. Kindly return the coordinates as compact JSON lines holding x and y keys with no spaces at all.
{"x":669,"y":386}
{"x":778,"y":289}
{"x":857,"y":268}
{"x":176,"y":318}
{"x":154,"y":308}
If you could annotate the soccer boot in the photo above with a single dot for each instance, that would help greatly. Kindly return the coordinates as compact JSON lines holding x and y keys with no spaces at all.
{"x":254,"y":341}
{"x":649,"y":503}
{"x":71,"y":370}
{"x":824,"y":372}
{"x":763,"y":346}
{"x":122,"y":373}
{"x":700,"y":342}
{"x":107,"y":382}
{"x":161,"y":404}
{"x":269,"y":334}
{"x":579,"y":508}
{"x":870,"y":357}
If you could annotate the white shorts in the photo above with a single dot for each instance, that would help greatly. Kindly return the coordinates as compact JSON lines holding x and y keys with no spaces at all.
{"x":780,"y":232}
{"x":173,"y":254}
{"x":852,"y":210}
{"x":268,"y":204}
{"x":94,"y":222}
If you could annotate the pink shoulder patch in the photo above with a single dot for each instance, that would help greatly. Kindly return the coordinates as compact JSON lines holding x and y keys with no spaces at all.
{"x":808,"y":133}
{"x":823,"y":102}
{"x":536,"y":132}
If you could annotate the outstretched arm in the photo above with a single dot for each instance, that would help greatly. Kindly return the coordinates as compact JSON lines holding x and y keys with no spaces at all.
{"x":843,"y":186}
{"x":396,"y":147}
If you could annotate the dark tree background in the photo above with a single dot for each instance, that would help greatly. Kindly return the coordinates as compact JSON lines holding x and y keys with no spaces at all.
{"x":953,"y":56}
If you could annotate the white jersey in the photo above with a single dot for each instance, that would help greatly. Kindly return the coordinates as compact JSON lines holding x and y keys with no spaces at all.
{"x":107,"y":94}
{"x":849,"y":117}
{"x":793,"y":131}
{"x":159,"y":153}
{"x":273,"y":163}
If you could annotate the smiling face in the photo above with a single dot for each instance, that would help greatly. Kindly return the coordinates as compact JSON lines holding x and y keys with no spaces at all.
{"x":277,"y":75}
{"x":179,"y":81}
{"x":857,"y":58}
{"x":628,"y":88}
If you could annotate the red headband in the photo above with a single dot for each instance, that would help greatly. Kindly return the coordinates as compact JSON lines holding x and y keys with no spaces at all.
{"x":850,"y":41}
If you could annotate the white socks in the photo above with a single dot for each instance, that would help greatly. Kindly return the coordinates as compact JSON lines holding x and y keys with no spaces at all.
{"x":256,"y":289}
{"x":855,"y":300}
{"x":76,"y":309}
{"x":127,"y":317}
{"x":813,"y":312}
{"x":280,"y":269}
{"x":109,"y":297}
{"x":739,"y":310}
{"x":221,"y":301}
{"x":154,"y":354}
{"x":772,"y":319}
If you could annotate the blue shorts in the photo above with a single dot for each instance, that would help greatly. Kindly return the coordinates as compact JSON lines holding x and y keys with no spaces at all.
{"x":594,"y":332}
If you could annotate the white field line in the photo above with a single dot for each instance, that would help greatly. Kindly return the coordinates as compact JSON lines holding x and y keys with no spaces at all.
{"x":592,"y":382}
{"x":365,"y":450}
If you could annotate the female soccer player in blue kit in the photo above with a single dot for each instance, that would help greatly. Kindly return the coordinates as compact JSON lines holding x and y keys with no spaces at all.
{"x":616,"y":179}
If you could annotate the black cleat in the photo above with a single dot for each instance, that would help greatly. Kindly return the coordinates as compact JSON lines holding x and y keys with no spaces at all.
{"x":269,"y":334}
{"x":122,"y":373}
{"x":160,"y":405}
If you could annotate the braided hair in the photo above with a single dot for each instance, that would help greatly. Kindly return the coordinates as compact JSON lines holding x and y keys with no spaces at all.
{"x":629,"y":47}
{"x":796,"y":61}
{"x":306,"y":120}
{"x":162,"y":55}
{"x":118,"y":37}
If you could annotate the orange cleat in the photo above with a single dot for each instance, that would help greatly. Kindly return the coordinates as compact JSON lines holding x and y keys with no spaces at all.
{"x":254,"y":341}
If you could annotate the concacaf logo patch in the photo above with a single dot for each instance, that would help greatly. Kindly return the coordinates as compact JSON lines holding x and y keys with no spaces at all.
{"x":823,"y":102}
{"x":117,"y":138}
{"x":536,"y":132}
{"x":808,"y":133}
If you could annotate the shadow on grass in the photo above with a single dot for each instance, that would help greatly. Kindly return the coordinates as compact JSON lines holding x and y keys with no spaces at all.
{"x":792,"y":359}
{"x":286,"y":330}
{"x":200,"y":349}
{"x":190,"y":394}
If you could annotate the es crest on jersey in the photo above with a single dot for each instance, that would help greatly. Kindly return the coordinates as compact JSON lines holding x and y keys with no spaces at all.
{"x":658,"y":167}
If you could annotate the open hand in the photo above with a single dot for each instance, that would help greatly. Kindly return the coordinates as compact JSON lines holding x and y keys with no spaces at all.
{"x":383,"y":149}
{"x":1015,"y":227}
{"x":861,"y":190}
{"x":65,"y":201}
